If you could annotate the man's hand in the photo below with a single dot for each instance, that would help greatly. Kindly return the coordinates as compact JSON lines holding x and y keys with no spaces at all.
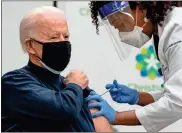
{"x":78,"y":78}
{"x":104,"y":108}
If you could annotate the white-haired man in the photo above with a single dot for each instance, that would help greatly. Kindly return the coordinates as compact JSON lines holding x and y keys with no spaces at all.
{"x":36,"y":97}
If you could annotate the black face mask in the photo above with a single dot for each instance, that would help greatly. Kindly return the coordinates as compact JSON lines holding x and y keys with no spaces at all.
{"x":55,"y":55}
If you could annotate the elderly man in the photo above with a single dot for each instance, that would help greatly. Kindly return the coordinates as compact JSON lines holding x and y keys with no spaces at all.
{"x":36,"y":97}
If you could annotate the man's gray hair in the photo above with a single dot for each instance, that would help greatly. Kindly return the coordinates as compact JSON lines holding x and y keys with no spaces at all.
{"x":27,"y":28}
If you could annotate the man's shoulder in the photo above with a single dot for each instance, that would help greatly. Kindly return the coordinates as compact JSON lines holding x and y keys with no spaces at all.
{"x":16,"y":76}
{"x":16,"y":72}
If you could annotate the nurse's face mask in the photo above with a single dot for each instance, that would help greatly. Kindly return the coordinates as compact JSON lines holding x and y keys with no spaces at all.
{"x":55,"y":55}
{"x":122,"y":28}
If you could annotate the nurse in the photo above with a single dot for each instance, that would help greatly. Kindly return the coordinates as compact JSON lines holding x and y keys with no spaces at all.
{"x":130,"y":24}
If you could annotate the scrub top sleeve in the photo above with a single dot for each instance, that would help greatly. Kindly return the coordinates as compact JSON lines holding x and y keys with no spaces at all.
{"x":166,"y":110}
{"x":24,"y":95}
{"x":156,"y":94}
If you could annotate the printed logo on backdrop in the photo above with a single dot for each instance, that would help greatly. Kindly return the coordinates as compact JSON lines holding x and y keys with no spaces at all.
{"x":85,"y":12}
{"x":145,"y":87}
{"x":147,"y":63}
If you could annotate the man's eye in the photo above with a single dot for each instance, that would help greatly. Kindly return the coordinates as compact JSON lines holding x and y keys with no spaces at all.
{"x":66,"y":37}
{"x":54,"y":37}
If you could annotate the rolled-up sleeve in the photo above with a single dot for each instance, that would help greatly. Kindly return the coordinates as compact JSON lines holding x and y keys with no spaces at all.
{"x":22,"y":95}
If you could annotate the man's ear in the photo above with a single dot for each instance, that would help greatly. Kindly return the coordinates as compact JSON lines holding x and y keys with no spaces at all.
{"x":29,"y":46}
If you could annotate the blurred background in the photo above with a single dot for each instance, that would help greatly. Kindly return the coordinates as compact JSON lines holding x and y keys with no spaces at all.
{"x":94,"y":54}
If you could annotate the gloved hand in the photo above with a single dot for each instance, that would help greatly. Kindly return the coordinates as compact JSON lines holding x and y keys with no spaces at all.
{"x":104,"y":108}
{"x":122,"y":94}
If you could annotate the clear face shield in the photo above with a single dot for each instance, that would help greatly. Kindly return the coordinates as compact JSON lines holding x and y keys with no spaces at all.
{"x":119,"y":23}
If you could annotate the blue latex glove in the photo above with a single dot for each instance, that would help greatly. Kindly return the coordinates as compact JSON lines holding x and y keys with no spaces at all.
{"x":122,"y":94}
{"x":104,"y":108}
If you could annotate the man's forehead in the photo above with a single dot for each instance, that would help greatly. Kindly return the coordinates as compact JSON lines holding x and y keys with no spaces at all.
{"x":54,"y":31}
{"x":52,"y":25}
{"x":43,"y":23}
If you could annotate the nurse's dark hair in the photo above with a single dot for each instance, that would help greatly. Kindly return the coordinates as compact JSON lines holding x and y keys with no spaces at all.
{"x":156,"y":10}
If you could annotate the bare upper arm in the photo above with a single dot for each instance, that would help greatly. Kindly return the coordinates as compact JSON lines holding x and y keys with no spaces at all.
{"x":101,"y":123}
